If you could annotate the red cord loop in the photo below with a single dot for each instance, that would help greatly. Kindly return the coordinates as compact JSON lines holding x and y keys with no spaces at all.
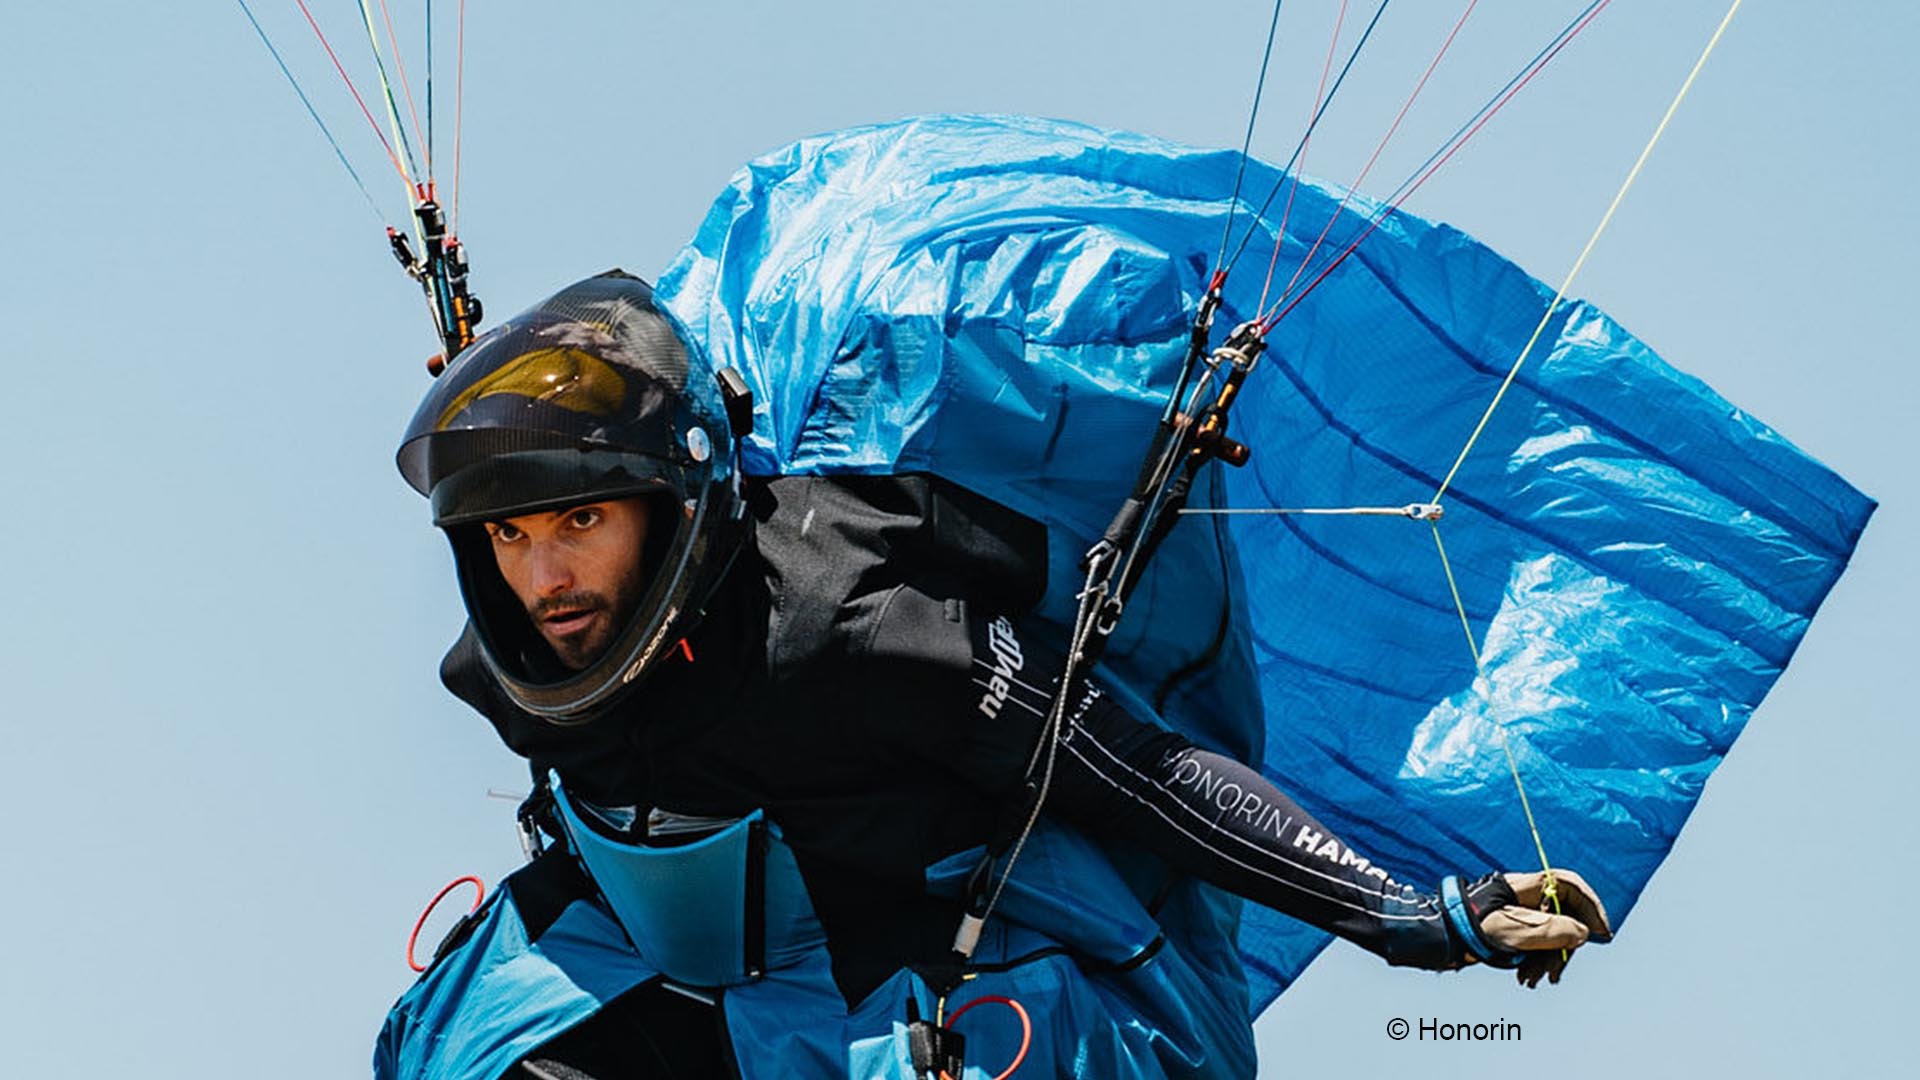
{"x":1026,"y":1027}
{"x":479,"y":894}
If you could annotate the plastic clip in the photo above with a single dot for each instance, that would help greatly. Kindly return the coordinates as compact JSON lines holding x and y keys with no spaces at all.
{"x":938,"y":1053}
{"x":527,"y":823}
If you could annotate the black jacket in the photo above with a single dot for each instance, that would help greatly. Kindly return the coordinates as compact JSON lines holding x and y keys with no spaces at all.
{"x":830,"y":687}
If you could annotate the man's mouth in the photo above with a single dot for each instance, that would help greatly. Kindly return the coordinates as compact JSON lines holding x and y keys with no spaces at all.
{"x":566,"y":623}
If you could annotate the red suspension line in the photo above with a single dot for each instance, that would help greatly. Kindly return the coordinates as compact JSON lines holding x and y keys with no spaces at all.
{"x":358,"y":100}
{"x":459,"y":104}
{"x":1268,"y":324}
{"x":1382,"y":145}
{"x":1300,"y":166}
{"x":413,"y":113}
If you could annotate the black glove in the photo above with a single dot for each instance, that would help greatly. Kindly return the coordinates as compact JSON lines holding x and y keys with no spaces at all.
{"x":1513,"y":921}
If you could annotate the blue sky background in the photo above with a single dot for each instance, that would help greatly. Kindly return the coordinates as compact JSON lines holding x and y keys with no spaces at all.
{"x":232,"y":776}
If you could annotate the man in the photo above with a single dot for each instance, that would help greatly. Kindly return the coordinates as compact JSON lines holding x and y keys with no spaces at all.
{"x":791,"y":727}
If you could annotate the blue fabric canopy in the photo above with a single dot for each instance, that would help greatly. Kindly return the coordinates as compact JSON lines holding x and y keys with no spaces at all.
{"x":1005,"y":302}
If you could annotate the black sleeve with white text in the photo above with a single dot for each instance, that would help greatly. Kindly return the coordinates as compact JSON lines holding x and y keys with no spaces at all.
{"x":1203,"y":813}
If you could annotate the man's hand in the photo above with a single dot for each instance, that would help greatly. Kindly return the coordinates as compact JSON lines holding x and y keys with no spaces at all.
{"x":1518,"y":924}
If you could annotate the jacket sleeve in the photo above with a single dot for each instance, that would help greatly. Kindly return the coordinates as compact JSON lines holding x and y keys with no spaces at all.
{"x":1221,"y":821}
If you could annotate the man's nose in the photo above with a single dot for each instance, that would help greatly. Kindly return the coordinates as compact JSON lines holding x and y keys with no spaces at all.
{"x":552,"y":570}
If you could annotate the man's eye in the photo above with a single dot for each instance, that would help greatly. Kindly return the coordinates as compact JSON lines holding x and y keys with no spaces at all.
{"x":584,"y":519}
{"x":506,"y":534}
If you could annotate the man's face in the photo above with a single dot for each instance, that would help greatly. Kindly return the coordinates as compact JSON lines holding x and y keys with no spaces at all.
{"x":576,"y":571}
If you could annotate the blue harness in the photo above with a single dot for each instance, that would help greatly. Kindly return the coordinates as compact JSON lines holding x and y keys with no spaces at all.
{"x":1111,"y":991}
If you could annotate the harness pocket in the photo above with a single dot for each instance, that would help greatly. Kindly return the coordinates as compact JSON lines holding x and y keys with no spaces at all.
{"x":718,"y":911}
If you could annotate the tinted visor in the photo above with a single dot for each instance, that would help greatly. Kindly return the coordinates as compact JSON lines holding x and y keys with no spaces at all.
{"x":507,"y":485}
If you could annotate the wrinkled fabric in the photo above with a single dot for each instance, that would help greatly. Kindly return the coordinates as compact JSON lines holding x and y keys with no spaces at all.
{"x":1005,"y":302}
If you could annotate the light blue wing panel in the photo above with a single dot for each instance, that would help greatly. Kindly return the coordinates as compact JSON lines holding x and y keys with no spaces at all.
{"x":1005,"y":302}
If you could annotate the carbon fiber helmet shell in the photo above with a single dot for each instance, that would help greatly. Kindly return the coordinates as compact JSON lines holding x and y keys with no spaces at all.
{"x":592,"y":394}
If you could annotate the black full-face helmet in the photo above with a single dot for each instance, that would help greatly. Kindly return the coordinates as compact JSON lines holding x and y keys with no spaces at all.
{"x":593,"y":394}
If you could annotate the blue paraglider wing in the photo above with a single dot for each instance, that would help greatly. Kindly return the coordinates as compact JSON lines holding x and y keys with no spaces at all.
{"x":1006,"y":301}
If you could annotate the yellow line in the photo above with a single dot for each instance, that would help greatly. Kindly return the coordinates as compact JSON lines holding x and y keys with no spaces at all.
{"x":393,"y":125}
{"x":1605,"y":219}
{"x":1546,"y":318}
{"x":1513,"y":766}
{"x":1458,"y":604}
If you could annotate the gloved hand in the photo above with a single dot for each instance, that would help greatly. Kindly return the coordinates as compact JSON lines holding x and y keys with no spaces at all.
{"x":1507,"y":920}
